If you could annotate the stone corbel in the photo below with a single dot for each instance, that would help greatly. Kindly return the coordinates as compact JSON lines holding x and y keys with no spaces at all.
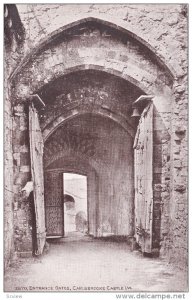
{"x":142,"y":99}
{"x":140,"y":104}
{"x":36,"y":100}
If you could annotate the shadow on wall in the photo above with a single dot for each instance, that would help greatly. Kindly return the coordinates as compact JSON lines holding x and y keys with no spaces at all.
{"x":32,"y":222}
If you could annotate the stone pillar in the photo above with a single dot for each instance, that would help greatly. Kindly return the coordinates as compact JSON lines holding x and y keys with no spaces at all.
{"x":179,"y":170}
{"x":22,"y":174}
{"x":161,"y":184}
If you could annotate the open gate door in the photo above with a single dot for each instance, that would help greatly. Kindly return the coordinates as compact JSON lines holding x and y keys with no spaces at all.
{"x":54,"y":204}
{"x":36,"y":153}
{"x":143,"y":165}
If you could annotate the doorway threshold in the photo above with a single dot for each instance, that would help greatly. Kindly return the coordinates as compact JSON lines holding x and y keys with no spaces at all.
{"x":54,"y":236}
{"x":76,"y":238}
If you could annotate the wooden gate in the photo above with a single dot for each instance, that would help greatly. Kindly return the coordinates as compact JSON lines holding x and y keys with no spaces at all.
{"x":54,"y":203}
{"x":36,"y":154}
{"x":143,"y":166}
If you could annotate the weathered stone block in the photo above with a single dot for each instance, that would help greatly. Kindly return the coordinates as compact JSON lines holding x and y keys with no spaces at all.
{"x":180,"y":188}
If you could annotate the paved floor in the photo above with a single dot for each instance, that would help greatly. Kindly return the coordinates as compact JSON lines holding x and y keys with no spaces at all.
{"x":80,"y":265}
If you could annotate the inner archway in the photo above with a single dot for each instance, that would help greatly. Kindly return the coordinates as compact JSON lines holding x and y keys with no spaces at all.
{"x":103,"y":150}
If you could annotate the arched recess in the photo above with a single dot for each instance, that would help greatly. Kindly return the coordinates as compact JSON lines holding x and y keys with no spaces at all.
{"x":60,"y":120}
{"x":98,"y":45}
{"x":91,"y":43}
{"x":50,"y":38}
{"x":88,"y":91}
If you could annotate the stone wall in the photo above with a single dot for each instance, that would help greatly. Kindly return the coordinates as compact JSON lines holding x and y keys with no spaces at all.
{"x":161,"y":182}
{"x":161,"y":28}
{"x":179,"y":170}
{"x":12,"y":53}
{"x":8,"y":175}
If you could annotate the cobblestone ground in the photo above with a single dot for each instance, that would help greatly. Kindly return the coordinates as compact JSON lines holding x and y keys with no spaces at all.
{"x":100,"y":265}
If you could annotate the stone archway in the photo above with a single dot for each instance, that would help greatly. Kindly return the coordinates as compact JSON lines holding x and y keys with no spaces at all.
{"x":83,"y":51}
{"x":74,"y":163}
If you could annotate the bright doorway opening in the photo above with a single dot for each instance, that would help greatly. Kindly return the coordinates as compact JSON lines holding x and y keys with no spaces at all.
{"x":75,"y":204}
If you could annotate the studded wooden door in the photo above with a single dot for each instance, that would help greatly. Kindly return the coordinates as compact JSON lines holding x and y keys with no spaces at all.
{"x":143,"y":166}
{"x":54,"y":214}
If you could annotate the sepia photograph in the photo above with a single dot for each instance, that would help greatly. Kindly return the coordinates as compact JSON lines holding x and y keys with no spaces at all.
{"x":95,"y":148}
